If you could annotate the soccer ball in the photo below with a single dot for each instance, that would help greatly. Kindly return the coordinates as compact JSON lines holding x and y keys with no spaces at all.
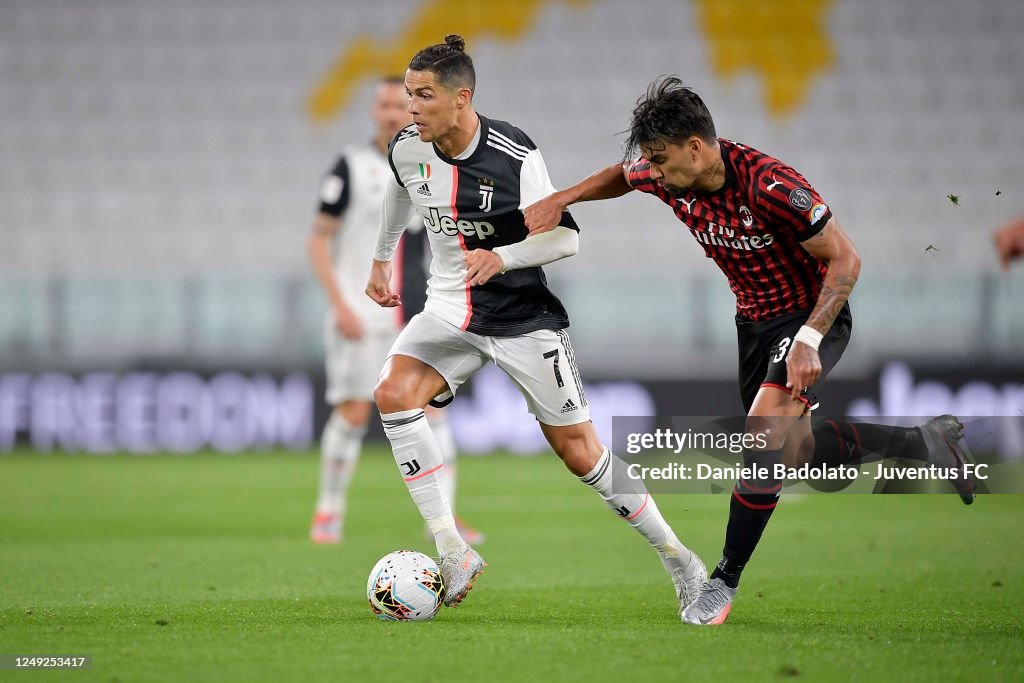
{"x":405,"y":586}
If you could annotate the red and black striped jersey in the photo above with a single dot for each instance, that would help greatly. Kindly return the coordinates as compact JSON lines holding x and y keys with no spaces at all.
{"x":752,"y":227}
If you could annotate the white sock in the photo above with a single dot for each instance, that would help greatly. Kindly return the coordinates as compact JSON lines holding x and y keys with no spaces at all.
{"x":442,"y":432}
{"x":420,"y":462}
{"x":629,"y":499}
{"x":339,"y":452}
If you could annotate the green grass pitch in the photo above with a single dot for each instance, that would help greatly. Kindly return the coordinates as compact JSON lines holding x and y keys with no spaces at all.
{"x":198,"y":568}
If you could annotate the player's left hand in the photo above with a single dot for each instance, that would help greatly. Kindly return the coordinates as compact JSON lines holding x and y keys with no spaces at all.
{"x":481,"y":266}
{"x":803,"y":367}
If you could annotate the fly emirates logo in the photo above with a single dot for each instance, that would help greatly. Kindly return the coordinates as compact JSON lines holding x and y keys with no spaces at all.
{"x":447,"y":225}
{"x":722,"y":236}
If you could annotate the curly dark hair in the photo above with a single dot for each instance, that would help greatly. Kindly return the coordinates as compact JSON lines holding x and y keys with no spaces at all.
{"x":449,"y":61}
{"x":669,"y":112}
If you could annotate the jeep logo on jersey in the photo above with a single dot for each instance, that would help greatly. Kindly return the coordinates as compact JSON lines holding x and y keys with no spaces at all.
{"x":447,"y":225}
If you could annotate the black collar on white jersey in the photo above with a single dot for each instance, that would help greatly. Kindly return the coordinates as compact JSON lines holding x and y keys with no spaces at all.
{"x":480,"y":150}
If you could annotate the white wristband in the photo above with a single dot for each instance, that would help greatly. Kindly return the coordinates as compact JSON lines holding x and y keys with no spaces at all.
{"x":810,"y":336}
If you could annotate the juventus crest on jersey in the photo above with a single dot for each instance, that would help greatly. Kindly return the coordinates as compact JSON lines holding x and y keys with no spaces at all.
{"x":476,"y":203}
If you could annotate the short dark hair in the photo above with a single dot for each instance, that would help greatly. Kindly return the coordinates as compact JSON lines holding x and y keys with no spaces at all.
{"x":449,"y":61}
{"x":669,"y":112}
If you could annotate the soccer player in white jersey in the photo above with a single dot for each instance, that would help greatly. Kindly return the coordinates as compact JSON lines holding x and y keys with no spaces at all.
{"x":358,"y":333}
{"x":469,"y":177}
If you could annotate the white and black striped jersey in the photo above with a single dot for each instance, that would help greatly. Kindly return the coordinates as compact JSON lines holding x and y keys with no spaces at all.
{"x":477,"y":203}
{"x":354,"y":192}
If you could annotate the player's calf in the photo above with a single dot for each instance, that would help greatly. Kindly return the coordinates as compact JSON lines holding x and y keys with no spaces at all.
{"x":630,"y":500}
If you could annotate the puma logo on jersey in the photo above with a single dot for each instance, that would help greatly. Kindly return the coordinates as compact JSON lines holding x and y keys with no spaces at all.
{"x":447,"y":225}
{"x":773,"y":183}
{"x":689,"y":204}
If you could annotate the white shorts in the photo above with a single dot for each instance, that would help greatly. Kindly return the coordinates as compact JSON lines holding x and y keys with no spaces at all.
{"x":353,"y":367}
{"x":540,"y":363}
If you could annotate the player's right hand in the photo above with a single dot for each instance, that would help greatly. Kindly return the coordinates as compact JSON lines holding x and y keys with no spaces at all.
{"x":348,"y":323}
{"x":379,"y":286}
{"x":543,"y":216}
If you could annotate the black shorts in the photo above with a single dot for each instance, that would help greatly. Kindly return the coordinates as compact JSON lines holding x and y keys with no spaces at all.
{"x":764,"y":346}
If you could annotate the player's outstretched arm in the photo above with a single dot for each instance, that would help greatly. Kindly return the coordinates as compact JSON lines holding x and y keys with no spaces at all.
{"x":608,"y":183}
{"x":1009,"y":242}
{"x":833,"y":246}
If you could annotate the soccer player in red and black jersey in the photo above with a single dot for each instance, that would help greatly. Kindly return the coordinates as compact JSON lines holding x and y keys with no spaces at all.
{"x":792,"y":269}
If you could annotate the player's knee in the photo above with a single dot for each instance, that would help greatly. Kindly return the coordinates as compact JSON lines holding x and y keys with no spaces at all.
{"x":391,"y":396}
{"x":768,"y":432}
{"x":579,"y":449}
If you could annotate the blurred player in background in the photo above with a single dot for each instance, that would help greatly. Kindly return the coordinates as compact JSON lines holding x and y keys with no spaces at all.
{"x":468,"y":178}
{"x":358,"y":333}
{"x":1009,"y":242}
{"x":792,"y":269}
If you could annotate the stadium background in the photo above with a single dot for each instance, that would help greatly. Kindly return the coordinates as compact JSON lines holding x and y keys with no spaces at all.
{"x":158,"y":168}
{"x":158,"y":172}
{"x":159,"y":162}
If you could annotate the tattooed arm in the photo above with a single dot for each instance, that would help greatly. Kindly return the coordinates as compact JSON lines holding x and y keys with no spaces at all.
{"x":833,"y":246}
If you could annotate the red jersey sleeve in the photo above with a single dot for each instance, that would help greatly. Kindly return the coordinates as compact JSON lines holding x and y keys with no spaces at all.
{"x":790,"y":203}
{"x":638,"y":175}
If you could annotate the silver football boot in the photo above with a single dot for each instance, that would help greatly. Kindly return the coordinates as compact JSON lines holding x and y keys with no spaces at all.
{"x":712,"y":606}
{"x":459,"y":570}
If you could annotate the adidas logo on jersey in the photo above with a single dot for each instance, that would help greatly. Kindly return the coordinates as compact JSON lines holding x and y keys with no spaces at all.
{"x":569,"y":406}
{"x":447,"y":225}
{"x":424,"y":190}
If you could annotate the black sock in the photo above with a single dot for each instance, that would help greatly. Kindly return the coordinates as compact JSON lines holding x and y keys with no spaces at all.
{"x":840,"y":443}
{"x":728,"y":571}
{"x":750,"y":509}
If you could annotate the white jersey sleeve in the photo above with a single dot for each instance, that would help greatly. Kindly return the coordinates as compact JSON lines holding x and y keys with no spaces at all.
{"x":397,"y":213}
{"x":534,"y":181}
{"x":535,"y":185}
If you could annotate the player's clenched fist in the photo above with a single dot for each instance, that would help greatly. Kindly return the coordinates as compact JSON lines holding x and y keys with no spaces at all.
{"x":803,"y":367}
{"x":379,"y":286}
{"x":481,"y":266}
